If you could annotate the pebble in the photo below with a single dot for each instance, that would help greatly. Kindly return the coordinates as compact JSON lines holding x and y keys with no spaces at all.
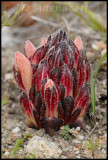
{"x":13,"y":105}
{"x":94,"y":47}
{"x":78,"y":157}
{"x":103,"y":151}
{"x":15,"y":130}
{"x":43,"y":147}
{"x":78,"y":129}
{"x":9,"y":76}
{"x":80,"y":137}
{"x":64,"y":157}
{"x":6,"y":153}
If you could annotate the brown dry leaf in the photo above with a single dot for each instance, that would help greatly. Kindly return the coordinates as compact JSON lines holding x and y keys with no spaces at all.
{"x":79,"y":146}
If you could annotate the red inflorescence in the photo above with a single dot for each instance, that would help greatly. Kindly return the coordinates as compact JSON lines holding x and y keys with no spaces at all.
{"x":55,"y":82}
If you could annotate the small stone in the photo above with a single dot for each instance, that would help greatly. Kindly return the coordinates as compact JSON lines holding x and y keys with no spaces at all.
{"x":15,"y":130}
{"x":64,"y":157}
{"x":13,"y":106}
{"x":77,"y":156}
{"x":80,"y":137}
{"x":78,"y":129}
{"x":105,"y":135}
{"x":9,"y":76}
{"x":6,"y":153}
{"x":94,"y":47}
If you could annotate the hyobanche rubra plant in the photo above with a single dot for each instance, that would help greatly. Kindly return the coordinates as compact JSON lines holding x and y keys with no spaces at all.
{"x":54,"y":79}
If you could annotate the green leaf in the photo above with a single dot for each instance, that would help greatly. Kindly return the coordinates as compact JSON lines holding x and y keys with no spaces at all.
{"x":8,"y":21}
{"x":4,"y":101}
{"x":100,"y":63}
{"x":92,"y":92}
{"x":17,"y":146}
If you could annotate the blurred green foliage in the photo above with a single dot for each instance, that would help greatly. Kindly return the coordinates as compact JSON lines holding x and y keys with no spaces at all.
{"x":9,"y":20}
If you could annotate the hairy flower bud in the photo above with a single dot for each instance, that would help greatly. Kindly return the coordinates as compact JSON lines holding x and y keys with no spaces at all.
{"x":55,"y":82}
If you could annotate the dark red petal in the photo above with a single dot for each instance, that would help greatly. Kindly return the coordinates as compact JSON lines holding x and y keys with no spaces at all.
{"x":60,"y":111}
{"x":51,"y":98}
{"x":75,"y":82}
{"x":57,"y":123}
{"x":55,"y":75}
{"x":71,"y":64}
{"x":43,"y":85}
{"x":55,"y":40}
{"x":48,"y":101}
{"x":36,"y":117}
{"x":82,"y":97}
{"x":50,"y":61}
{"x":55,"y":97}
{"x":66,"y":80}
{"x":65,"y":52}
{"x":27,"y":107}
{"x":68,"y":105}
{"x":38,"y":102}
{"x":40,"y":75}
{"x":42,"y":110}
{"x":37,"y":56}
{"x":61,"y":35}
{"x":75,"y":52}
{"x":62,"y":91}
{"x":76,"y":123}
{"x":75,"y":115}
{"x":32,"y":94}
{"x":34,"y":68}
{"x":18,"y":77}
{"x":51,"y":125}
{"x":49,"y":39}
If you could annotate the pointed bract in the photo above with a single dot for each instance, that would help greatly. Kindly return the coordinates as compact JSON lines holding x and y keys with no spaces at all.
{"x":78,"y":43}
{"x":29,"y":49}
{"x":44,"y":41}
{"x":23,"y":65}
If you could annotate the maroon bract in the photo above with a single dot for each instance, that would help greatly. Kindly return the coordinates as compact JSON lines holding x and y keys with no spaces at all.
{"x":54,"y":80}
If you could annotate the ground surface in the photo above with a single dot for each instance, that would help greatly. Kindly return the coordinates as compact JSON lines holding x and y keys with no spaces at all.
{"x":13,"y":119}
